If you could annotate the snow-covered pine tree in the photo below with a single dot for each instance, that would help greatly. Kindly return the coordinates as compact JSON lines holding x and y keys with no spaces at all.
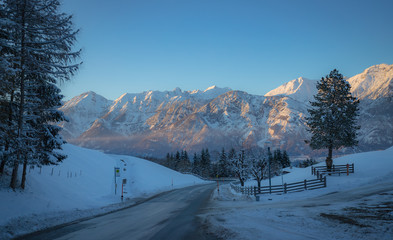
{"x":223,"y":164}
{"x":8,"y":93}
{"x":4,"y":88}
{"x":205,"y":163}
{"x":41,"y":41}
{"x":196,"y":165}
{"x":333,"y":115}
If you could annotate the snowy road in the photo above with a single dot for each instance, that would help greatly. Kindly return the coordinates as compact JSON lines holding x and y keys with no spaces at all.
{"x":171,"y":215}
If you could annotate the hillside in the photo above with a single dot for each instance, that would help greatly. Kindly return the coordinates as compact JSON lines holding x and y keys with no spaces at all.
{"x":81,"y":186}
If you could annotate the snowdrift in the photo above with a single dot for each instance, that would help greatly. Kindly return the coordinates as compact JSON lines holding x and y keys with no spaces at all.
{"x":86,"y":180}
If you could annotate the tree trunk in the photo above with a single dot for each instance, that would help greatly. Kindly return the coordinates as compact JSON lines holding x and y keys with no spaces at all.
{"x":329,"y":159}
{"x":14,"y":176}
{"x":2,"y":166}
{"x":241,"y":180}
{"x":23,"y":183}
{"x":22,"y":100}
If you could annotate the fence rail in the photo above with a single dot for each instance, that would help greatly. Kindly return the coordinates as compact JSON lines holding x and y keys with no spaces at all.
{"x":283,"y":189}
{"x":336,"y":169}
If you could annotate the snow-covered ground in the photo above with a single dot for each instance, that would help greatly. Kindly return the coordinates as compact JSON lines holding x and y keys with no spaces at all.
{"x":82,"y":186}
{"x":358,"y":206}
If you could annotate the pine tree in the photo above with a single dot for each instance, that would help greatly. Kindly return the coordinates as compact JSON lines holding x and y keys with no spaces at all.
{"x":277,"y":157}
{"x":196,"y":165}
{"x":205,"y":163}
{"x":333,"y":115}
{"x":223,"y":164}
{"x":40,"y":48}
{"x":6,"y":92}
{"x":231,"y":158}
{"x":285,"y":162}
{"x":177,"y":160}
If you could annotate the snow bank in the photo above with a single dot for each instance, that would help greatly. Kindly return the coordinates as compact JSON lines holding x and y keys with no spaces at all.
{"x":358,"y":206}
{"x":85,"y":180}
{"x":370,"y":167}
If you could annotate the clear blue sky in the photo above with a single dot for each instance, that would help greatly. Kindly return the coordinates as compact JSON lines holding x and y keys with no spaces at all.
{"x":249,"y":45}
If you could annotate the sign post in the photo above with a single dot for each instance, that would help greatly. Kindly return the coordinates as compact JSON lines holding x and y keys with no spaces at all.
{"x":117,"y":174}
{"x":218,"y":186}
{"x":122,"y":187}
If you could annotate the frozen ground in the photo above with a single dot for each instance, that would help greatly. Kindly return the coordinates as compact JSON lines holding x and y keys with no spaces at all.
{"x":82,"y":186}
{"x":358,"y":206}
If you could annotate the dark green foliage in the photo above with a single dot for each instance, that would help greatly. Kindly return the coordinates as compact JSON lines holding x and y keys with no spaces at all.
{"x":205,"y":162}
{"x":333,"y":115}
{"x":223,"y":165}
{"x":307,"y":163}
{"x":179,"y":162}
{"x":281,"y":159}
{"x":196,"y":165}
{"x":36,"y":56}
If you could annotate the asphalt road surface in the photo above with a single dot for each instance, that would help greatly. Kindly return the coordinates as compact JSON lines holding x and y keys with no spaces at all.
{"x":172,"y":215}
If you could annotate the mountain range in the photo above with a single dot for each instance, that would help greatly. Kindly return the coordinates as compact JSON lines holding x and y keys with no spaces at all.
{"x":153,"y":123}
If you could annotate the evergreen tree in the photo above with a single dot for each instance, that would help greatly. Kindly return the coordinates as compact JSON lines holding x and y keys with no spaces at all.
{"x":7,"y":92}
{"x":285,"y":162}
{"x":177,"y":161}
{"x":205,"y":163}
{"x":223,"y":164}
{"x":39,"y":46}
{"x":333,"y":115}
{"x":196,"y":165}
{"x":277,"y":157}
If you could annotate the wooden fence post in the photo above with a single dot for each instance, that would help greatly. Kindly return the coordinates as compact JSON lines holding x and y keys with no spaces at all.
{"x":305,"y":184}
{"x":285,"y":187}
{"x":347,"y":169}
{"x":353,"y":168}
{"x":324,"y":181}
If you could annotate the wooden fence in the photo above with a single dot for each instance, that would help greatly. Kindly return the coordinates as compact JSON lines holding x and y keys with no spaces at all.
{"x":336,"y":169}
{"x":282,"y":189}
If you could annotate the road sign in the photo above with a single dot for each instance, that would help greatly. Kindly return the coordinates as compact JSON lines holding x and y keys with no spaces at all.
{"x":117,"y":172}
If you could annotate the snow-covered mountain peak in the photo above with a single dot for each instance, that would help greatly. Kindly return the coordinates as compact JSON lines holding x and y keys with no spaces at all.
{"x":301,"y":89}
{"x":85,"y":99}
{"x":374,"y":82}
{"x":177,"y":91}
{"x":210,"y":92}
{"x":210,"y":88}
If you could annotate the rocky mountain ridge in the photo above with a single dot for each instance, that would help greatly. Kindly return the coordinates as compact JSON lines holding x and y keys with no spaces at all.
{"x":154,"y":123}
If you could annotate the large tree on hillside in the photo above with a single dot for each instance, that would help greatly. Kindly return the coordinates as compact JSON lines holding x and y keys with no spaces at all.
{"x":333,"y":115}
{"x":39,"y":50}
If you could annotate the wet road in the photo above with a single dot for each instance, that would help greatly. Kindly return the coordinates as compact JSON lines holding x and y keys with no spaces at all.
{"x":172,"y":215}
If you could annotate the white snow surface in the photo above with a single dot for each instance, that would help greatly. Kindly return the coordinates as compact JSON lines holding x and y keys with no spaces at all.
{"x":81,"y":186}
{"x":300,"y":89}
{"x":358,"y":206}
{"x":374,"y":82}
